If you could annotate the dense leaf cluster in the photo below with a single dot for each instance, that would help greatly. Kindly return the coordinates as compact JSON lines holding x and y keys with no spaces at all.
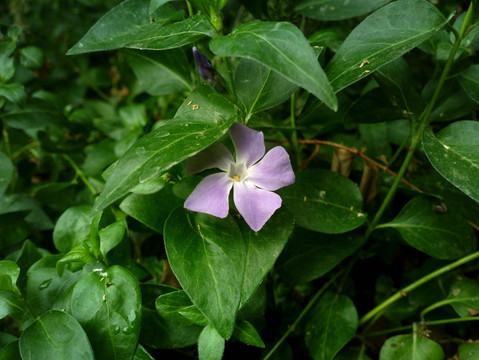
{"x":373,"y":254}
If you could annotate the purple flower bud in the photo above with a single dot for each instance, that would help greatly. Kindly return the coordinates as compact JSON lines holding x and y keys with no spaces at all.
{"x":252,"y":176}
{"x":207,"y":71}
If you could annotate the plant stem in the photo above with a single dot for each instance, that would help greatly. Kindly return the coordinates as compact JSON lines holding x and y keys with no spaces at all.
{"x":303,"y":313}
{"x":403,"y":292}
{"x":294,"y":136}
{"x":80,"y":173}
{"x":424,"y":121}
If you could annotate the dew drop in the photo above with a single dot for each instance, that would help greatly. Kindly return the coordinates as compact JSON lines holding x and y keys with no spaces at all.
{"x":162,"y":134}
{"x":140,"y":151}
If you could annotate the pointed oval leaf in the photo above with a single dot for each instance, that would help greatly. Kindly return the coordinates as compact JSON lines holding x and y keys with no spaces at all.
{"x":331,"y":324}
{"x":442,"y":235}
{"x":55,"y":335}
{"x":411,"y":347}
{"x":330,"y":10}
{"x":324,"y":201}
{"x":282,"y":47}
{"x":72,"y":227}
{"x":169,"y":306}
{"x":262,"y":249}
{"x":108,"y":306}
{"x":210,"y":344}
{"x":9,"y":272}
{"x":246,"y":333}
{"x":383,"y":36}
{"x":454,"y":153}
{"x":207,"y":256}
{"x":170,"y":143}
{"x":468,"y":290}
{"x":469,"y":80}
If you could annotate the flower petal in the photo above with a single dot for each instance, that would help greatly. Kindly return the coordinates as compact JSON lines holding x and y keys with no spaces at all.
{"x":249,"y":144}
{"x":211,"y":195}
{"x":214,"y":156}
{"x":255,"y":205}
{"x":273,"y":171}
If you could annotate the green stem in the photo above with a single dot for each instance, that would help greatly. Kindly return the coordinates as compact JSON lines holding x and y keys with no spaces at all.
{"x":303,"y":313}
{"x":424,"y":121}
{"x":80,"y":173}
{"x":446,"y":302}
{"x":403,"y":292}
{"x":294,"y":136}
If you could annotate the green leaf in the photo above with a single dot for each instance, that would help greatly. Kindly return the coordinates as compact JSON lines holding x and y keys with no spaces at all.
{"x":32,"y":57}
{"x":330,"y":10}
{"x":169,"y":306}
{"x":78,"y":255}
{"x":210,"y":344}
{"x":6,"y":173}
{"x":160,"y":73}
{"x":442,"y":235}
{"x":35,"y":114}
{"x":454,"y":153}
{"x":207,"y":256}
{"x":246,"y":333}
{"x":108,"y":306}
{"x":262,"y":249}
{"x":55,"y":335}
{"x":352,"y":354}
{"x":10,"y":351}
{"x":468,"y":290}
{"x":324,"y":201}
{"x":307,"y":257}
{"x":469,"y":80}
{"x":170,"y":143}
{"x":14,"y":93}
{"x":11,"y":303}
{"x":128,"y":26}
{"x":331,"y":324}
{"x":468,"y":351}
{"x":111,"y":236}
{"x":9,"y":273}
{"x":259,"y":88}
{"x":142,"y":354}
{"x":411,"y":347}
{"x":72,"y":227}
{"x":282,"y":47}
{"x":151,"y":210}
{"x":382,"y":37}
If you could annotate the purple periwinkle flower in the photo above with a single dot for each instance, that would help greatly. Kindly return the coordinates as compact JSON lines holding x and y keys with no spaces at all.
{"x":252,"y":180}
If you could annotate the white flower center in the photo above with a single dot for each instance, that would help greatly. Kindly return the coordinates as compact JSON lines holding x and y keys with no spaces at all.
{"x":238,"y":172}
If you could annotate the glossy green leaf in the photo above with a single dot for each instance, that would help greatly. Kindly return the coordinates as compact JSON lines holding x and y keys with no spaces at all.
{"x":169,"y":306}
{"x":9,"y":273}
{"x":382,"y":37}
{"x":469,"y":80}
{"x":55,"y":335}
{"x":170,"y":143}
{"x":11,"y":303}
{"x":468,"y":290}
{"x":14,"y":93}
{"x":411,"y":347}
{"x":128,"y":26}
{"x":330,"y":10}
{"x":151,"y":210}
{"x":259,"y":88}
{"x":10,"y":351}
{"x":207,"y":256}
{"x":72,"y":227}
{"x":6,"y":173}
{"x":309,"y":255}
{"x":454,"y":153}
{"x":111,"y":236}
{"x":210,"y":344}
{"x":108,"y":306}
{"x":247,"y":334}
{"x":324,"y":201}
{"x":262,"y":249}
{"x":331,"y":324}
{"x":160,"y":73}
{"x":282,"y":47}
{"x":142,"y":354}
{"x":442,"y":235}
{"x":468,"y":351}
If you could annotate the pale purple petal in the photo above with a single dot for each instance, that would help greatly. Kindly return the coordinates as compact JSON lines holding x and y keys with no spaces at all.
{"x":214,"y":156}
{"x":273,"y":171}
{"x":211,"y":195}
{"x":249,"y":144}
{"x":256,"y":206}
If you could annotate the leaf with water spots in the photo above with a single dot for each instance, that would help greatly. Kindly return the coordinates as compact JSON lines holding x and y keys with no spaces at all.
{"x":454,"y":153}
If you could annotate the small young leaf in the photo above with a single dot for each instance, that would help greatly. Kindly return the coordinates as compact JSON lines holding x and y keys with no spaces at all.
{"x":411,"y":347}
{"x":72,"y":227}
{"x":454,"y":153}
{"x":331,"y":324}
{"x":246,"y":333}
{"x":324,"y":201}
{"x":469,"y":80}
{"x":210,"y":345}
{"x":55,"y":335}
{"x":382,"y":37}
{"x":207,"y":256}
{"x":111,"y":236}
{"x":9,"y":272}
{"x":442,"y":235}
{"x":330,"y":10}
{"x":469,"y":290}
{"x":282,"y":47}
{"x":169,"y":306}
